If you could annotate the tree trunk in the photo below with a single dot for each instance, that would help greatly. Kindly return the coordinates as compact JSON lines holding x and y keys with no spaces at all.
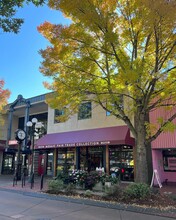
{"x":141,"y":175}
{"x":141,"y":163}
{"x":149,"y":155}
{"x":149,"y":162}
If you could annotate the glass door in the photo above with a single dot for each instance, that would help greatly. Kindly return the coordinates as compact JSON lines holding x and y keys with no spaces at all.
{"x":50,"y":165}
{"x":8,"y":164}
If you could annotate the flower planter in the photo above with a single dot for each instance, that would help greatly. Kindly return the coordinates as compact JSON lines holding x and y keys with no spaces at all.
{"x":108,"y":184}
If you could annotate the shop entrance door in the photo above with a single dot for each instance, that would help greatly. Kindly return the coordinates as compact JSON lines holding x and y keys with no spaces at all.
{"x":8,"y":164}
{"x":42,"y":164}
{"x":50,"y":165}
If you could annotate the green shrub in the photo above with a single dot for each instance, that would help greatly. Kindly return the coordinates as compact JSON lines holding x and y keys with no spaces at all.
{"x":55,"y":185}
{"x":69,"y":188}
{"x":88,"y":192}
{"x":115,"y":190}
{"x":137,"y":191}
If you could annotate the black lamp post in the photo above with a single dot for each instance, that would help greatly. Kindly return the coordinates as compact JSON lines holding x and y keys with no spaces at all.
{"x":34,"y":126}
{"x":20,"y":135}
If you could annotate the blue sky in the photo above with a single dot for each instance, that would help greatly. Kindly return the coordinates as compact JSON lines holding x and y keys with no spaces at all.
{"x":19,"y":57}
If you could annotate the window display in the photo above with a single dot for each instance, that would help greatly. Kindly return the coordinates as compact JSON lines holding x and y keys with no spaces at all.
{"x":65,"y":158}
{"x":91,"y":158}
{"x":169,"y":160}
{"x":121,"y":162}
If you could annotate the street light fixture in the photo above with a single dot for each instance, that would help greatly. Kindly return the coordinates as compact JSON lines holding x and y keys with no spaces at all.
{"x":34,"y":126}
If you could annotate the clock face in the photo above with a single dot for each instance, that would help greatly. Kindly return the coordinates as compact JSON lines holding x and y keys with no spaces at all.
{"x":20,"y":135}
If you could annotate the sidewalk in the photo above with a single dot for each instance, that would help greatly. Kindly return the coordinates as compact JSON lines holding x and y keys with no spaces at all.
{"x":169,"y":188}
{"x":6,"y":184}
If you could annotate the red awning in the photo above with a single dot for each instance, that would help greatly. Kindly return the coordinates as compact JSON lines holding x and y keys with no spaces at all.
{"x":93,"y":137}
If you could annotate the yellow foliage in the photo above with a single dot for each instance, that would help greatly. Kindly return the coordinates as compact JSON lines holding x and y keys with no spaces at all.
{"x":112,"y":49}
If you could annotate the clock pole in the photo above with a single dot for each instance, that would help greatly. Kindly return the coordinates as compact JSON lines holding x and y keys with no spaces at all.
{"x":19,"y":162}
{"x":19,"y":136}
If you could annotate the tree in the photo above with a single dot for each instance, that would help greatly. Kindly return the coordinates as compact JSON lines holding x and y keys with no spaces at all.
{"x":8,"y":9}
{"x":4,"y":95}
{"x":114,"y":49}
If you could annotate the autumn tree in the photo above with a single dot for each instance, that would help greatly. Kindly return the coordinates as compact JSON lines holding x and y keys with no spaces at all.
{"x":114,"y":49}
{"x":4,"y":95}
{"x":8,"y":9}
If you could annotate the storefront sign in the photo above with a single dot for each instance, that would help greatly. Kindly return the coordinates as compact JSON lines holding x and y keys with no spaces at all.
{"x":81,"y":144}
{"x":13,"y":142}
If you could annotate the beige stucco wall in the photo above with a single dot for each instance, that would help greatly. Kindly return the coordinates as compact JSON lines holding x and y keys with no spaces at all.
{"x":14,"y":127}
{"x":98,"y":120}
{"x":3,"y":128}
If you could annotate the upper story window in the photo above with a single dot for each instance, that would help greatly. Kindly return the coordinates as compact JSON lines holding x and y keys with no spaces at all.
{"x":121,"y":105}
{"x":85,"y":111}
{"x":57,"y":114}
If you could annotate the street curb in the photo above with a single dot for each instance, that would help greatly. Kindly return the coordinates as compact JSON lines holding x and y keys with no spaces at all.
{"x":169,"y":213}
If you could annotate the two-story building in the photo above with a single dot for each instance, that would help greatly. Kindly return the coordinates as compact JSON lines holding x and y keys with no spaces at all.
{"x":17,"y":115}
{"x":90,"y":139}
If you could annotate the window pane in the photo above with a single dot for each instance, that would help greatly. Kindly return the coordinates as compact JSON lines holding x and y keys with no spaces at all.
{"x":169,"y":160}
{"x":57,"y":113}
{"x":121,"y":162}
{"x":85,"y":111}
{"x":66,"y":158}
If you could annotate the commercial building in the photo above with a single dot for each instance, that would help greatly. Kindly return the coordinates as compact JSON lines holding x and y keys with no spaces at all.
{"x":91,"y":139}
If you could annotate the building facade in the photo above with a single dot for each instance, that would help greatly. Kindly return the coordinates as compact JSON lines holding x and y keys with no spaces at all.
{"x":90,"y":139}
{"x":164,"y":148}
{"x":16,"y":117}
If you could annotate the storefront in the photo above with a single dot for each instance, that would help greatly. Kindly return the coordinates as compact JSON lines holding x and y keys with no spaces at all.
{"x":164,"y":156}
{"x":108,"y":148}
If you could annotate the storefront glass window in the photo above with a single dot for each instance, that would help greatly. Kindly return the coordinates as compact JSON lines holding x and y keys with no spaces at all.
{"x":66,"y":157}
{"x":121,"y":162}
{"x":91,"y":158}
{"x":169,"y":160}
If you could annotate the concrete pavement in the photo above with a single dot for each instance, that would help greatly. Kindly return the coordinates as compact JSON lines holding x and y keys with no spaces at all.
{"x":6,"y":186}
{"x":26,"y":207}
